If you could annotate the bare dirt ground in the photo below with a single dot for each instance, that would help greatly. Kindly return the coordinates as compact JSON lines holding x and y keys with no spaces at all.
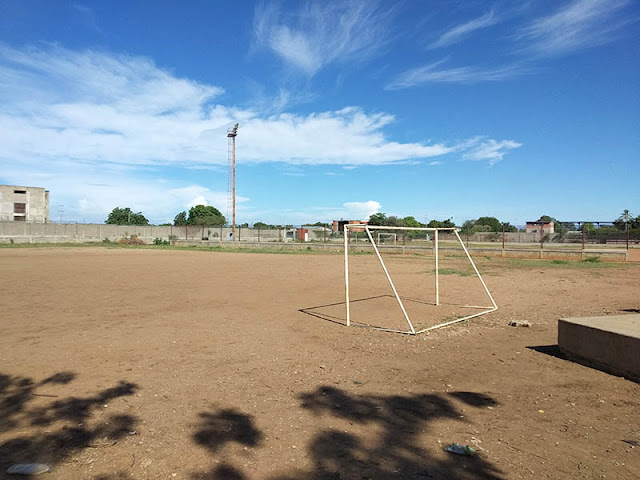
{"x":148,"y":364}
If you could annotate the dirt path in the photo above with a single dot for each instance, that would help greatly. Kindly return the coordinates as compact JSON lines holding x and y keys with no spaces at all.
{"x":149,"y":364}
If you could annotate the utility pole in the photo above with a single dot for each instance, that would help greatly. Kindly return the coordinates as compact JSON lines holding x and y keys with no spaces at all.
{"x":231,"y":135}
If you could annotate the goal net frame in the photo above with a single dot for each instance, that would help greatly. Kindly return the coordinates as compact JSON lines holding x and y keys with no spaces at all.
{"x":412,"y":330}
{"x":394,"y":236}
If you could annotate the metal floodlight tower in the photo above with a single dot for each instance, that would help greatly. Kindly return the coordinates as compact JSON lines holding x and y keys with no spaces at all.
{"x":231,"y":135}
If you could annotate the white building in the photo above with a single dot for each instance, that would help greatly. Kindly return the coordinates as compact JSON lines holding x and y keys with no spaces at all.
{"x":24,"y":204}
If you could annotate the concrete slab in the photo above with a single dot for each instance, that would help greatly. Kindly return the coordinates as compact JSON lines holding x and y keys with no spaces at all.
{"x":610,"y":343}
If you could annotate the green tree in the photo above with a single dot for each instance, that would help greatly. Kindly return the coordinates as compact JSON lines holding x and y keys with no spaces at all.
{"x":378,"y":219}
{"x":180,"y":219}
{"x":124,"y":216}
{"x":492,"y":224}
{"x":624,"y":218}
{"x":467,"y":226}
{"x":411,"y":222}
{"x":205,"y":215}
{"x":394,"y":221}
{"x":441,"y":224}
{"x":317,"y":224}
{"x":264,"y":226}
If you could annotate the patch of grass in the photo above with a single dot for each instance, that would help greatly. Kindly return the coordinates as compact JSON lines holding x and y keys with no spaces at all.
{"x":568,"y":264}
{"x":451,"y":271}
{"x":592,"y":259}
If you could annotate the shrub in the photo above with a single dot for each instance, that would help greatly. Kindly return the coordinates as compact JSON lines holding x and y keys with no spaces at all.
{"x":160,"y":241}
{"x":131,"y":240}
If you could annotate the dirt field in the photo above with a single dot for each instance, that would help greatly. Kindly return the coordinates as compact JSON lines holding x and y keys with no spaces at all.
{"x":150,"y":364}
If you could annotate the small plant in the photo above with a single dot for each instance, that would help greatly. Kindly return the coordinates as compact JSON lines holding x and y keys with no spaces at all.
{"x":160,"y":241}
{"x":559,"y":262}
{"x":309,"y":248}
{"x":592,"y":259}
{"x":105,"y":240}
{"x":131,"y":240}
{"x":11,"y":241}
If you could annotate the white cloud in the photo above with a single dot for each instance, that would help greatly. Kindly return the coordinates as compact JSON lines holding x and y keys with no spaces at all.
{"x":347,"y":211}
{"x":578,"y":25}
{"x":489,"y":149}
{"x":459,"y":32}
{"x":320,"y":33}
{"x":71,"y":119}
{"x":434,"y":73}
{"x":361,"y":210}
{"x":91,"y":107}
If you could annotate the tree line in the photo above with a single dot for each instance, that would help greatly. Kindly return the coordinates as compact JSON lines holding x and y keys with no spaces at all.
{"x":211,"y":216}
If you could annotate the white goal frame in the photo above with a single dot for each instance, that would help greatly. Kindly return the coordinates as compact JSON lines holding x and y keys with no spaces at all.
{"x":412,"y":330}
{"x":392,"y":235}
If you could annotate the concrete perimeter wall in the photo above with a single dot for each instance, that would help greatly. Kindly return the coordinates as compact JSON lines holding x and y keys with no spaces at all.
{"x":18,"y":232}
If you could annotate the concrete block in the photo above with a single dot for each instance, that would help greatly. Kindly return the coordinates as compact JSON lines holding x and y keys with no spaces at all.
{"x":610,"y":343}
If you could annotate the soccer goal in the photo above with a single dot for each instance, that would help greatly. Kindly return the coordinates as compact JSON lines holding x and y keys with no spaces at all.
{"x":384,"y":236}
{"x":368,"y":229}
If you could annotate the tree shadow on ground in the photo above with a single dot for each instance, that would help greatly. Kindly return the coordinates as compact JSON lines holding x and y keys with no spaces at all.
{"x":219,"y":428}
{"x":393,"y":446}
{"x":63,"y":426}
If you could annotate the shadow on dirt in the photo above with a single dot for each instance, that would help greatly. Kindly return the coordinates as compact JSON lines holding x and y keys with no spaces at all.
{"x":63,"y":426}
{"x":394,"y":446}
{"x":219,"y":428}
{"x":555,"y":351}
{"x":225,"y":426}
{"x":551,"y":350}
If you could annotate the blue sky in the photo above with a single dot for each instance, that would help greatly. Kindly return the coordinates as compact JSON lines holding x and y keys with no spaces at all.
{"x":435,"y":109}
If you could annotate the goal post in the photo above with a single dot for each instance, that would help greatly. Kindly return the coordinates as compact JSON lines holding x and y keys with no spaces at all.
{"x":382,"y":235}
{"x":368,"y":229}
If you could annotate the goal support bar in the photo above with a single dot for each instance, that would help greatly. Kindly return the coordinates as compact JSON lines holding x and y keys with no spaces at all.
{"x":412,"y":330}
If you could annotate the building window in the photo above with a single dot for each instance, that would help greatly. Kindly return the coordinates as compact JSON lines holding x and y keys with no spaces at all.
{"x":24,"y":192}
{"x":19,"y":208}
{"x":19,"y":218}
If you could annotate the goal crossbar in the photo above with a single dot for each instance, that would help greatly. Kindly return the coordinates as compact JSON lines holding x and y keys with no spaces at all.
{"x":412,"y":330}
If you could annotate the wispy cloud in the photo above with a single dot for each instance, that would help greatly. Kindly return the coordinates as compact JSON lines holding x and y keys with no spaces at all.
{"x":96,"y":107}
{"x":580,"y":24}
{"x":577,"y":25}
{"x":488,"y":149}
{"x":459,"y":32}
{"x":87,"y":17}
{"x":96,"y":118}
{"x":320,"y":33}
{"x":436,"y":73}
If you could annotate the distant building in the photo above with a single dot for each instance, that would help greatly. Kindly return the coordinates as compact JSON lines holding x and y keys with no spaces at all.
{"x":24,"y":204}
{"x":540,"y":227}
{"x":338,"y":225}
